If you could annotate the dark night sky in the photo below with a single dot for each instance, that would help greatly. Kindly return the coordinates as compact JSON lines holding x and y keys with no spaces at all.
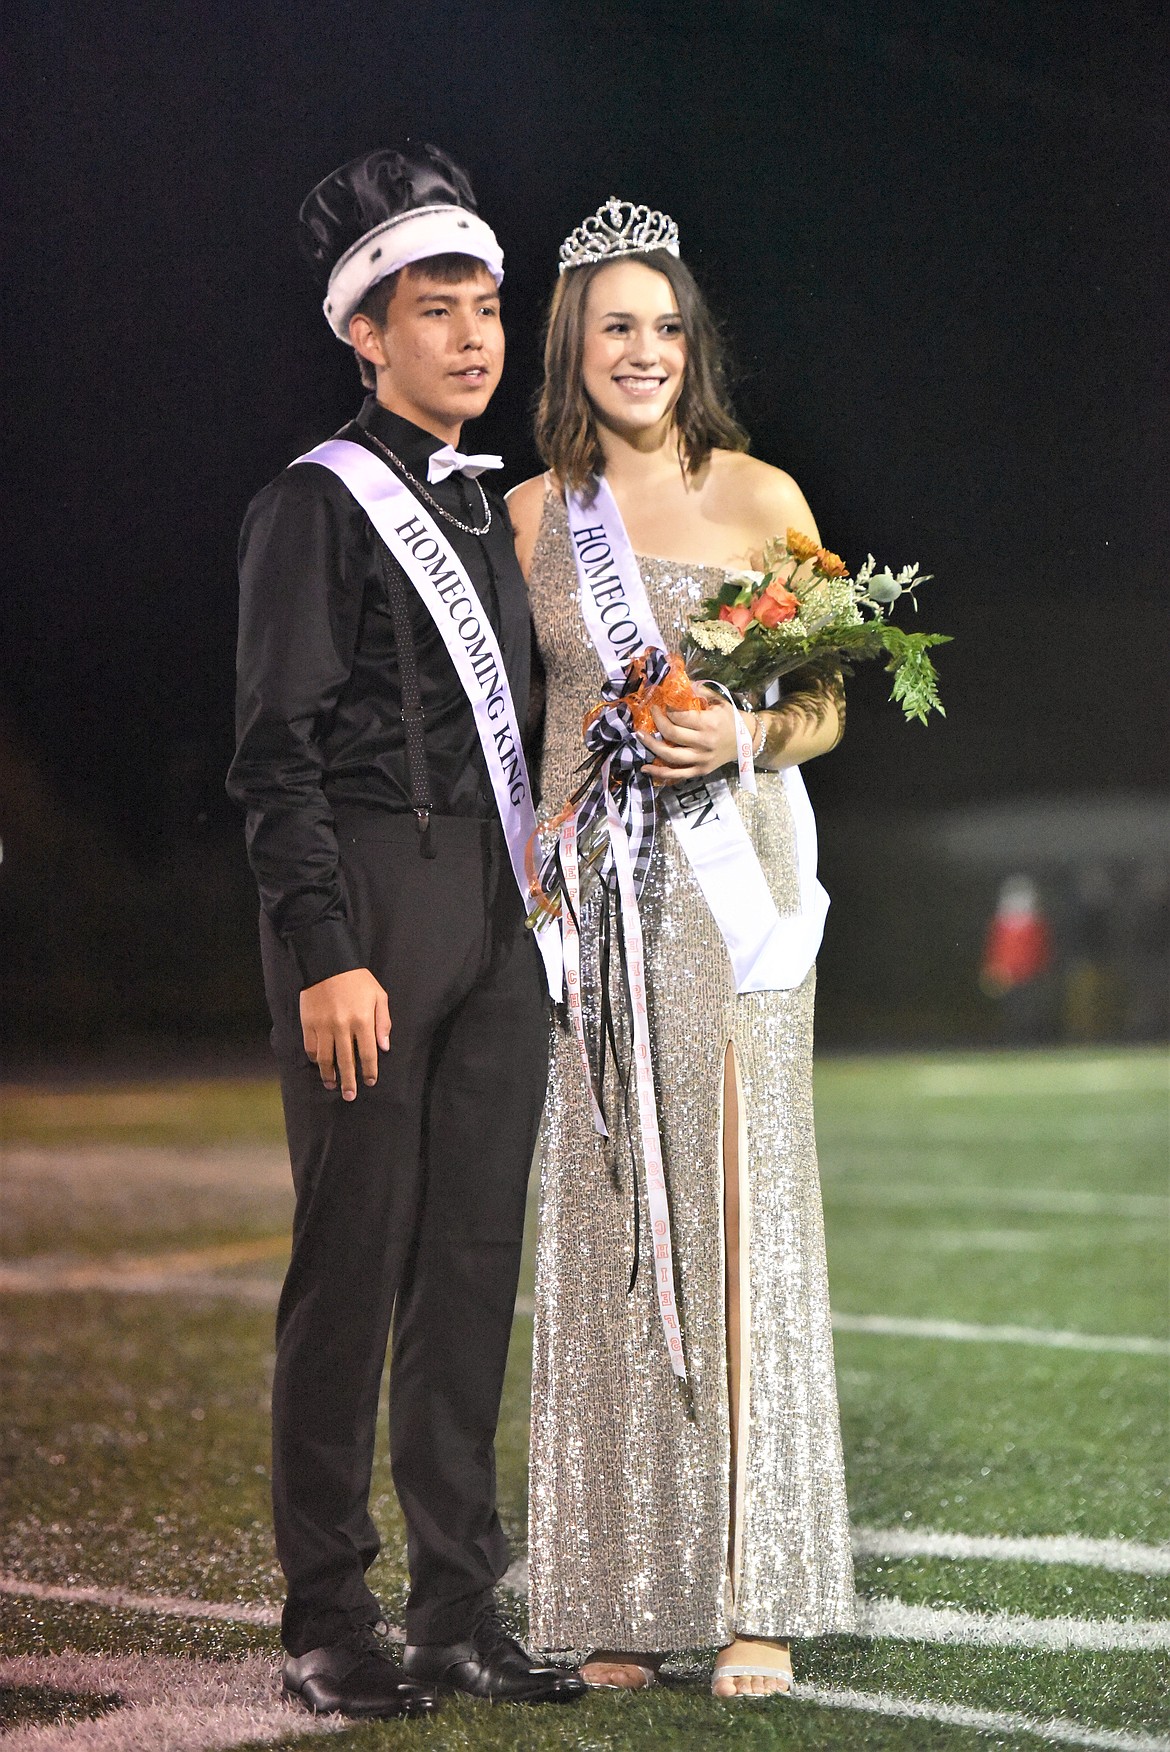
{"x":932,"y":231}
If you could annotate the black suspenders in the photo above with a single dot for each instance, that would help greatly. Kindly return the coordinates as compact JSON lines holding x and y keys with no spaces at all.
{"x":412,"y":712}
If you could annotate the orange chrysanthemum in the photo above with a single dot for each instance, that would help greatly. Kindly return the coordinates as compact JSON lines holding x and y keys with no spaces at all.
{"x":801,"y":546}
{"x":831,"y":565}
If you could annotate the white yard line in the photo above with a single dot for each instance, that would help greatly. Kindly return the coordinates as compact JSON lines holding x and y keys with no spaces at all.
{"x":167,"y":1701}
{"x":1023,"y":1078}
{"x":1008,"y":1630}
{"x":936,"y":1624}
{"x":33,"y":1278}
{"x":150,"y":1273}
{"x":166,"y":1606}
{"x":1037,"y":1201}
{"x":38,"y":1278}
{"x":877,"y":1618}
{"x":1123,"y":1556}
{"x":198,"y":1706}
{"x":162,"y":1605}
{"x":893,"y":1326}
{"x":1058,"y":1730}
{"x":189,"y":1705}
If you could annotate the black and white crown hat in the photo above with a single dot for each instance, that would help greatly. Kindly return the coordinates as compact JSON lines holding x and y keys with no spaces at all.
{"x":383,"y":211}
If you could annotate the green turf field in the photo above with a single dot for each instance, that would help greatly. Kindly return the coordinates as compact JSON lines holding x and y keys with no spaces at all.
{"x":980,"y":1205}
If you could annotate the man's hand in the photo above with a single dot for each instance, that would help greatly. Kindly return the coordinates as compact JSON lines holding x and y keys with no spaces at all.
{"x":336,"y":1013}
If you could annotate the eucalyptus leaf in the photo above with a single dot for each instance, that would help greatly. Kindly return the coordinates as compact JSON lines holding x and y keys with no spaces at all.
{"x":884,"y":588}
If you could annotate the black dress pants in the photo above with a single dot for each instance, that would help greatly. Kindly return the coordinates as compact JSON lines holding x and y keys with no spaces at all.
{"x":409,"y":1205}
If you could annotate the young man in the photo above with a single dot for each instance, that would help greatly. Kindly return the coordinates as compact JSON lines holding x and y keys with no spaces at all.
{"x":383,"y":673}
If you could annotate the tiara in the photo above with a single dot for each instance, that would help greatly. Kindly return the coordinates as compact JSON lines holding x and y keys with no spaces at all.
{"x":618,"y":228}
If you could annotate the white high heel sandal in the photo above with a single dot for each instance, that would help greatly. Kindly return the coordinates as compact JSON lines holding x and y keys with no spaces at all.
{"x":752,"y":1670}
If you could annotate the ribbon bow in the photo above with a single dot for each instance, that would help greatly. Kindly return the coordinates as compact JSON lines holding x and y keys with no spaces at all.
{"x":447,"y":460}
{"x":615,"y":766}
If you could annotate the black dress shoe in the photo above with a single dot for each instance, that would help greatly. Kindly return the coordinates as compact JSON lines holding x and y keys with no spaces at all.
{"x":356,"y":1677}
{"x":492,"y":1665}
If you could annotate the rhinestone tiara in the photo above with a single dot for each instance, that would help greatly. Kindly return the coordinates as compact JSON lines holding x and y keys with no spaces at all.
{"x":618,"y":228}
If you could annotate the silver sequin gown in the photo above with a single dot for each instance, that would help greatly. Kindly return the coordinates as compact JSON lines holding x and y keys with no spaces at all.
{"x":629,"y":1495}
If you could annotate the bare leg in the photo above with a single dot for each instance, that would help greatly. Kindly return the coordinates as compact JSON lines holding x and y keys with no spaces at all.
{"x":744,"y":1651}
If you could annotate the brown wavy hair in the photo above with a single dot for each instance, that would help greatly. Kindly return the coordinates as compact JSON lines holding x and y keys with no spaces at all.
{"x":566,"y":428}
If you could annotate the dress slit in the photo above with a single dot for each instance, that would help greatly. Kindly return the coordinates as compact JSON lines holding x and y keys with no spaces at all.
{"x":737,"y":1493}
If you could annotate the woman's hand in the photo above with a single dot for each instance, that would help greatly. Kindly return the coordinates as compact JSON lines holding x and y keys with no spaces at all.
{"x":691,"y":744}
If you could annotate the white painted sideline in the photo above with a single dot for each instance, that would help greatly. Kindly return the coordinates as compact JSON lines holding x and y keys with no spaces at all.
{"x":893,"y":1326}
{"x":1124,"y":1556}
{"x":1057,"y":1730}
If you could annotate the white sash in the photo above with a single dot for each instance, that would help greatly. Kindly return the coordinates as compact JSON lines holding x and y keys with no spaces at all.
{"x":416,"y":543}
{"x":767,"y":952}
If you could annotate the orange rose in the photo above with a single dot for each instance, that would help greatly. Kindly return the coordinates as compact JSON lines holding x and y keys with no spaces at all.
{"x":775,"y":604}
{"x":740,"y":616}
{"x":800,"y":545}
{"x":831,"y":565}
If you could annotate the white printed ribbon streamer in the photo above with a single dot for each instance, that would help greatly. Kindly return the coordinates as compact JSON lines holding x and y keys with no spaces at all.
{"x":656,"y":1199}
{"x":767,"y":952}
{"x":449,"y":596}
{"x":744,"y":759}
{"x":571,"y":948}
{"x":615,"y":789}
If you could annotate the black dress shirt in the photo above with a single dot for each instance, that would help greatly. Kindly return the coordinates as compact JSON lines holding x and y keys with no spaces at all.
{"x":318,"y":707}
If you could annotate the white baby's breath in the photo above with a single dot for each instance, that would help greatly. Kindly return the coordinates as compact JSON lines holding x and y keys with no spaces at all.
{"x":716,"y":635}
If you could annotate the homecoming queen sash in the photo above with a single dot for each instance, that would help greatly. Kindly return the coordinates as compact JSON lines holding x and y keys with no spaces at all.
{"x":414,"y":540}
{"x":767,"y":952}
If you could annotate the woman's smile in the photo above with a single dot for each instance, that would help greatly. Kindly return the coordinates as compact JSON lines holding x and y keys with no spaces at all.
{"x":640,"y":385}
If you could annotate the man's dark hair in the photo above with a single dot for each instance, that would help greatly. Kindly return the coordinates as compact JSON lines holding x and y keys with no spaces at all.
{"x":449,"y":270}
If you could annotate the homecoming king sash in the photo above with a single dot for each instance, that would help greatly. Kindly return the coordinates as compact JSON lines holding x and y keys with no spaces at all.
{"x":767,"y":952}
{"x":415,"y":541}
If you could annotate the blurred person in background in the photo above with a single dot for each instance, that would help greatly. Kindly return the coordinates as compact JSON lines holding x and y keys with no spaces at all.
{"x":1017,"y":954}
{"x":1092,"y":995}
{"x":1147,"y":953}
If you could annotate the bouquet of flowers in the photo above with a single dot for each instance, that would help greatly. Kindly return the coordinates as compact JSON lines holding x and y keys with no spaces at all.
{"x":803,"y":610}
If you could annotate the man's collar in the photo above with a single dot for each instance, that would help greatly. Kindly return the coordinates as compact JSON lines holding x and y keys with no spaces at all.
{"x":413,"y":444}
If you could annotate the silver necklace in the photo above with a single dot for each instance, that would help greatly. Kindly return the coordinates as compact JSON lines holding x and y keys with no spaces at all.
{"x":467,"y":528}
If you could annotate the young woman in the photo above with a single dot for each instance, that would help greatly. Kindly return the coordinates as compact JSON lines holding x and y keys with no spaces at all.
{"x":666,"y":1517}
